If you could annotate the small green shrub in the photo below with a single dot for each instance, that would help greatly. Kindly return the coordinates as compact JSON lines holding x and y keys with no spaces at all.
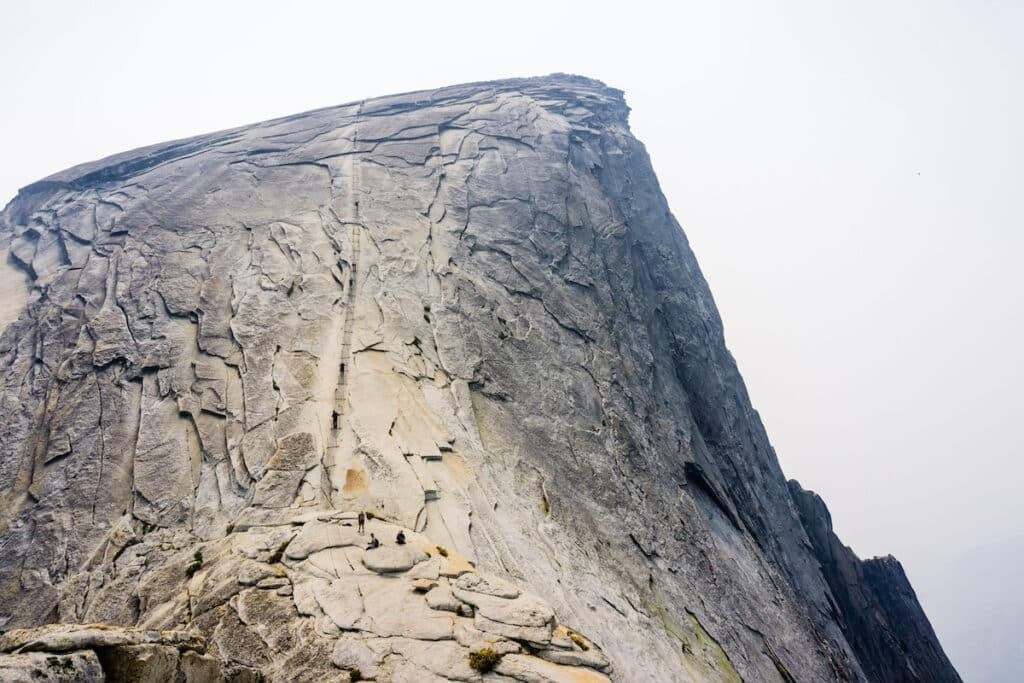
{"x":578,"y":639}
{"x":195,"y":565}
{"x":484,"y":660}
{"x":370,"y":515}
{"x":442,"y":551}
{"x":355,"y":675}
{"x":231,"y":527}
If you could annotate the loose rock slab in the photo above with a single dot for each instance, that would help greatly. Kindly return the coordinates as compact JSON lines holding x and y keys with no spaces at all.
{"x":393,"y":559}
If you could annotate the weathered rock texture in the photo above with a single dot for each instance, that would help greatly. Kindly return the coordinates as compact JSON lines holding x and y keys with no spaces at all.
{"x":469,"y":311}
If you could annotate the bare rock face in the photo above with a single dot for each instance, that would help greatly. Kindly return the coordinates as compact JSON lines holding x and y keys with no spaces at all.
{"x":873,"y":603}
{"x":468,"y":311}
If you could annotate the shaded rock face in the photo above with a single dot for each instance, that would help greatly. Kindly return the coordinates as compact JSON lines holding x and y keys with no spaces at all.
{"x":468,"y":311}
{"x":874,"y":604}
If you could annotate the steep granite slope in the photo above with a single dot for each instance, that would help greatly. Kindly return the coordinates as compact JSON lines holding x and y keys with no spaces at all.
{"x":468,"y":311}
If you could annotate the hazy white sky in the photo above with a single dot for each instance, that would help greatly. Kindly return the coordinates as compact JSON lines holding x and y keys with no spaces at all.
{"x":850,"y":175}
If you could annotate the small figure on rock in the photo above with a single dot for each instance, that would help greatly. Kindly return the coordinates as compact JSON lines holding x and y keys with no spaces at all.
{"x":374,"y":543}
{"x":400,"y":539}
{"x":362,"y":520}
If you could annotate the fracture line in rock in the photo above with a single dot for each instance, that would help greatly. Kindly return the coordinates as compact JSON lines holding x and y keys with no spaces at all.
{"x":341,"y":404}
{"x":340,"y":407}
{"x":341,"y":391}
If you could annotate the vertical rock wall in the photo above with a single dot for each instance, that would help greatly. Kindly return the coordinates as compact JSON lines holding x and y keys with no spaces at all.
{"x":469,"y":311}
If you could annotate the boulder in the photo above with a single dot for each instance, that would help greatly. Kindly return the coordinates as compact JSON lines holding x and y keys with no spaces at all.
{"x":272,"y":582}
{"x":441,"y":598}
{"x":525,"y":610}
{"x":469,"y":637}
{"x":389,"y":559}
{"x":354,"y":653}
{"x":315,"y":536}
{"x":430,"y":570}
{"x":250,"y":573}
{"x":535,"y":635}
{"x":487,"y":585}
{"x":592,"y":658}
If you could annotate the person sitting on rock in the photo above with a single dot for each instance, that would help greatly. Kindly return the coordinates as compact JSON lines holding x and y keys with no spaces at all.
{"x":374,"y":543}
{"x":362,"y":521}
{"x":400,"y":539}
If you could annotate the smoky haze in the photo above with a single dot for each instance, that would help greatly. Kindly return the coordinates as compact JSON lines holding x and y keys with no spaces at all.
{"x":849,"y":175}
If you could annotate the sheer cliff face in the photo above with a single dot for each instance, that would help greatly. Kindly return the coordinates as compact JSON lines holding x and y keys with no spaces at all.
{"x":469,"y":311}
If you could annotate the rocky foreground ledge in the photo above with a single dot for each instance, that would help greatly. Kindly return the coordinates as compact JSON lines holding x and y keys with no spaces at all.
{"x":297,"y":596}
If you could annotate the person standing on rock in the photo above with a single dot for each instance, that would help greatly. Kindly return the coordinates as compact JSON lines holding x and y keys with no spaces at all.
{"x":362,"y":521}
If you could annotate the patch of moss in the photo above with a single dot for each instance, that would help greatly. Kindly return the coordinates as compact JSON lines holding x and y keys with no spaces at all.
{"x":195,"y":565}
{"x":355,"y":675}
{"x":442,"y":551}
{"x":700,"y":654}
{"x":707,"y":643}
{"x":484,"y":660}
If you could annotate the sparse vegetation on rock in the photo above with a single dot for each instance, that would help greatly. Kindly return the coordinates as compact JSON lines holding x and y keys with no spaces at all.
{"x":484,"y":659}
{"x":195,"y":565}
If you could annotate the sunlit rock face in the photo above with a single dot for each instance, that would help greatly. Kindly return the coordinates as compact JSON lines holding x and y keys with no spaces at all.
{"x":466,"y":311}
